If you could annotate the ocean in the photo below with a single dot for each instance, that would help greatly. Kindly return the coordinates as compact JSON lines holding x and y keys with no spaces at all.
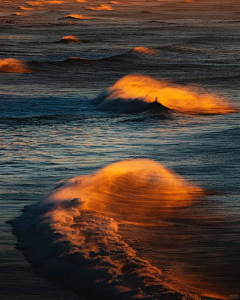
{"x":120,"y":151}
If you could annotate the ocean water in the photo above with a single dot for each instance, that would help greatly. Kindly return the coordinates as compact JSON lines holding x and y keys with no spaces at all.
{"x":120,"y":152}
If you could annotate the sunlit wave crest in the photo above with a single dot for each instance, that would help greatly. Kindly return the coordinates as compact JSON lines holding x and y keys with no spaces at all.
{"x":70,"y":39}
{"x":145,"y":50}
{"x":137,"y":92}
{"x":12,"y":65}
{"x":101,"y":7}
{"x":132,"y":190}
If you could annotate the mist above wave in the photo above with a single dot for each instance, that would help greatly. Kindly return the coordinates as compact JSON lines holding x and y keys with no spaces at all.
{"x":138,"y":92}
{"x":132,"y":190}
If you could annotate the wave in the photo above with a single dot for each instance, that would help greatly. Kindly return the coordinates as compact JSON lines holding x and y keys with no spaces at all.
{"x":12,"y":65}
{"x":20,"y":14}
{"x":116,"y":2}
{"x":72,"y":236}
{"x":54,"y":2}
{"x":100,"y":7}
{"x":135,"y":92}
{"x":129,"y":184}
{"x":26,"y":8}
{"x":114,"y":58}
{"x":78,"y":17}
{"x":77,"y":60}
{"x":35,"y":3}
{"x":70,"y":39}
{"x":145,"y":50}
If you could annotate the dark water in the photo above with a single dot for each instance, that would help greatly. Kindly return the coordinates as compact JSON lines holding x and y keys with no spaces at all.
{"x":128,"y":231}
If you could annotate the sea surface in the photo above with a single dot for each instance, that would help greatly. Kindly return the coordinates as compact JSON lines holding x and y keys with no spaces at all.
{"x":120,"y":152}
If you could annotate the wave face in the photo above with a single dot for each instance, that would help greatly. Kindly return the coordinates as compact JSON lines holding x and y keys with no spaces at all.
{"x":72,"y":236}
{"x":11,"y":65}
{"x":138,"y":92}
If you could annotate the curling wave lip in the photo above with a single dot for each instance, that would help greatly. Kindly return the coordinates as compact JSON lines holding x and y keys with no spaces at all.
{"x":138,"y":92}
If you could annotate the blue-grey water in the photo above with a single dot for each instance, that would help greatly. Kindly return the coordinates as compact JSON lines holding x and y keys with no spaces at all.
{"x":50,"y":130}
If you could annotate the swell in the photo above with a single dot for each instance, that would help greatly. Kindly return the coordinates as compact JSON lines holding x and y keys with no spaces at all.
{"x":129,"y":55}
{"x":73,"y":61}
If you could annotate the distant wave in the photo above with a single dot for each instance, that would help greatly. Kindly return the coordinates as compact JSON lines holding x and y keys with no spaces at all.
{"x":20,"y":14}
{"x":34,"y":3}
{"x":26,"y":8}
{"x":119,"y":57}
{"x":138,"y":92}
{"x":116,"y":2}
{"x":12,"y":65}
{"x":72,"y":236}
{"x":101,"y":7}
{"x":145,"y":50}
{"x":70,"y":39}
{"x":76,"y":60}
{"x":115,"y":57}
{"x":78,"y":17}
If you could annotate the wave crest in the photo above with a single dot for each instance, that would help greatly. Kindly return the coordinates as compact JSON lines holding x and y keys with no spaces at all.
{"x":12,"y":65}
{"x":145,"y":50}
{"x":101,"y":7}
{"x":131,"y":190}
{"x":70,"y":39}
{"x":137,"y":92}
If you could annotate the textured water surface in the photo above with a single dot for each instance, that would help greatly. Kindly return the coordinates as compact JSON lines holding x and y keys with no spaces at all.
{"x":135,"y":111}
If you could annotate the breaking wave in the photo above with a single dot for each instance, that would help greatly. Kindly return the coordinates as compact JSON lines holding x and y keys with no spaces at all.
{"x":11,"y":65}
{"x":138,"y":92}
{"x":72,"y":236}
